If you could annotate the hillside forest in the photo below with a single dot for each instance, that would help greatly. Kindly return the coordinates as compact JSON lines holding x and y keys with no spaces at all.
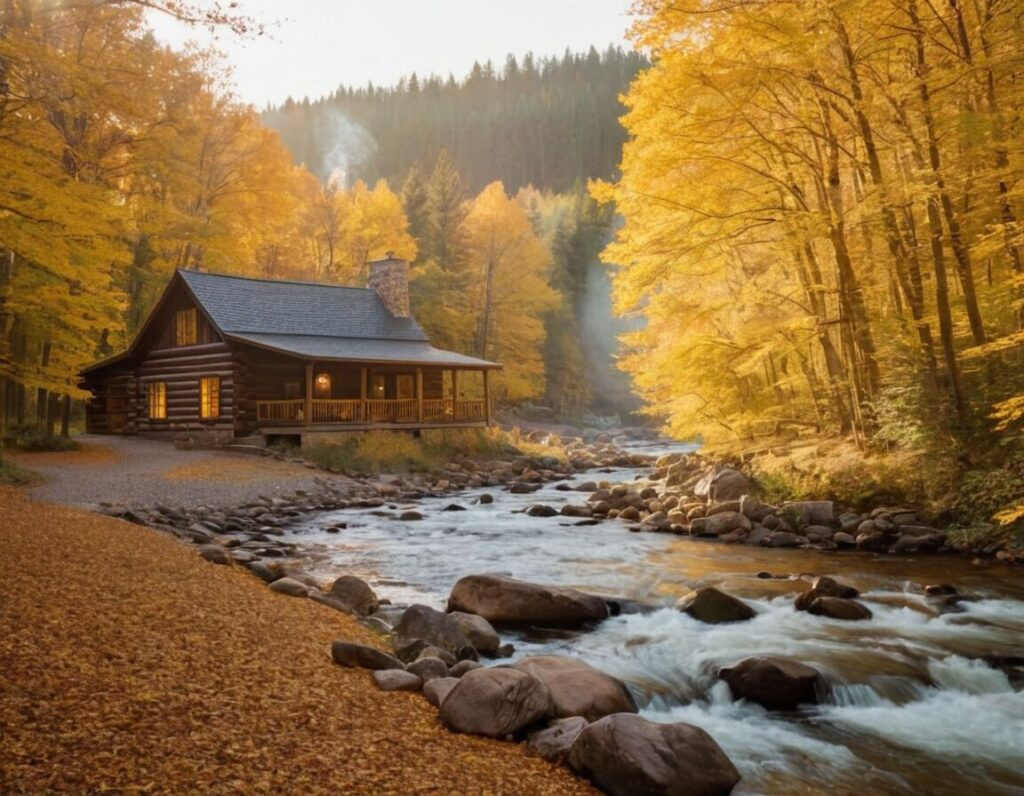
{"x":123,"y":160}
{"x":809,"y":214}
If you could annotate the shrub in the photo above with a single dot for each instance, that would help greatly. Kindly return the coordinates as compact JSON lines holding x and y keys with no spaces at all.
{"x":35,"y":440}
{"x":14,"y":475}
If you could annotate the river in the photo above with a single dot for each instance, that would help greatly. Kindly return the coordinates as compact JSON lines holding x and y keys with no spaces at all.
{"x":914,"y":707}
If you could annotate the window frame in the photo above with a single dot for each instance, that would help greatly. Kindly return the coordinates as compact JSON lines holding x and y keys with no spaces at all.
{"x":186,"y":327}
{"x":156,"y":398}
{"x":209,"y":401}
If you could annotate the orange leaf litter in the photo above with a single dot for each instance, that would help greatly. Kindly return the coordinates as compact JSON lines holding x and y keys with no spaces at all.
{"x":130,"y":665}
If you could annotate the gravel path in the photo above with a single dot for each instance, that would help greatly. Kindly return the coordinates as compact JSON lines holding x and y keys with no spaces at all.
{"x":129,"y":665}
{"x":141,"y":473}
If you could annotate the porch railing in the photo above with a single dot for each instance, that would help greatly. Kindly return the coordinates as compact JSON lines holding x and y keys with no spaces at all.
{"x":372,"y":410}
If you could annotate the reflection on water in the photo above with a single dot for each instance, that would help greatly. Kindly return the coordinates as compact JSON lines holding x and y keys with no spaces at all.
{"x":913,"y":707}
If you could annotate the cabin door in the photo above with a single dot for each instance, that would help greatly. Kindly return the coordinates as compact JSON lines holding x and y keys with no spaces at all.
{"x":117,"y":413}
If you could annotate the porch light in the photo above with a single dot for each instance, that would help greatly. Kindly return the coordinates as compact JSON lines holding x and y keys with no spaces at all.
{"x":323,"y":381}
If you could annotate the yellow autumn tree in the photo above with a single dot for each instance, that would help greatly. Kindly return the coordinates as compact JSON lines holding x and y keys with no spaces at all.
{"x":348,"y":228}
{"x":509,"y":291}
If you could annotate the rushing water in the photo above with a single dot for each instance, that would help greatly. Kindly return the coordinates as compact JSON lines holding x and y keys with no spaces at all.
{"x":914,"y":706}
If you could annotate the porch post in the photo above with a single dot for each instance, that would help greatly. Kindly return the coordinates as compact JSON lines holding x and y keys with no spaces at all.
{"x":455,"y":394}
{"x":308,"y":408}
{"x":362,"y":394}
{"x":487,"y":395}
{"x":419,"y":395}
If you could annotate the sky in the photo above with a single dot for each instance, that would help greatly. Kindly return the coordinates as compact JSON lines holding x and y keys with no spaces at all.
{"x":319,"y":44}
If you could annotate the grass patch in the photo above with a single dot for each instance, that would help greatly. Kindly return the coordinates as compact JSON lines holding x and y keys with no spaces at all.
{"x":398,"y":452}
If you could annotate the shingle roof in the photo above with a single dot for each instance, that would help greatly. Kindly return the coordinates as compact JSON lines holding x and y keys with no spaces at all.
{"x":238,"y":304}
{"x":362,"y":350}
{"x":307,"y":319}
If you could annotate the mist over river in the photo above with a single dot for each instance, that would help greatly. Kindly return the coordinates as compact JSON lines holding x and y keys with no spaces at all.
{"x":915,"y":706}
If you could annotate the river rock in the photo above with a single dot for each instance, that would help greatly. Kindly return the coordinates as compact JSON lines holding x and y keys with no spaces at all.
{"x":541,"y":510}
{"x":397,"y":680}
{"x":626,"y":755}
{"x":554,"y":742}
{"x":715,"y":607}
{"x":577,"y":688}
{"x":725,"y":522}
{"x":913,"y":544}
{"x":486,"y":499}
{"x":774,"y":683}
{"x":479,"y":631}
{"x":502,"y":600}
{"x":353,"y":595}
{"x":571,"y":510}
{"x":428,"y":668}
{"x":410,"y":515}
{"x":291,"y":587}
{"x":810,"y":512}
{"x":437,"y":628}
{"x":844,"y":539}
{"x":462,"y":667}
{"x":437,"y":689}
{"x":839,"y":608}
{"x":824,"y":586}
{"x":215,"y":554}
{"x":359,"y":656}
{"x":784,"y":539}
{"x":723,"y":484}
{"x":495,"y":702}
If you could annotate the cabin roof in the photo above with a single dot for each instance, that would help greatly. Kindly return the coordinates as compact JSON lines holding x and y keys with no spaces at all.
{"x":308,"y":320}
{"x":238,"y":305}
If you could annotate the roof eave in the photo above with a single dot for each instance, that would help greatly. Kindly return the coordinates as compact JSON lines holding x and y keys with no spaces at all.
{"x":478,"y":364}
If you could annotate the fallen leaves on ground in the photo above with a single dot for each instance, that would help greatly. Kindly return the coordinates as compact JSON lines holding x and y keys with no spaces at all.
{"x":87,"y":453}
{"x":129,"y":664}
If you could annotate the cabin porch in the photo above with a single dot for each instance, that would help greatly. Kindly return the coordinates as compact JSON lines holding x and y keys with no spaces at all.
{"x":328,"y":396}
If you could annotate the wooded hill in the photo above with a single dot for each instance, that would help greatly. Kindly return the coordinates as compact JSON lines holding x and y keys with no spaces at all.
{"x":123,"y":160}
{"x":551,"y":123}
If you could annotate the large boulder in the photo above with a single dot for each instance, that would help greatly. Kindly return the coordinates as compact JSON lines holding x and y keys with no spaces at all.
{"x":626,"y":755}
{"x":436,"y":628}
{"x":838,"y":608}
{"x":775,"y":683}
{"x":726,"y":521}
{"x":362,"y":657}
{"x":554,"y":742}
{"x":508,"y":601}
{"x":495,"y":702}
{"x":479,"y":631}
{"x":824,"y":586}
{"x":352,"y":595}
{"x":577,"y":688}
{"x":722,"y":484}
{"x":715,"y":607}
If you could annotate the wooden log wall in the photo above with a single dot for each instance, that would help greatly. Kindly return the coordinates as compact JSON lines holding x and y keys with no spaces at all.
{"x":181,"y":369}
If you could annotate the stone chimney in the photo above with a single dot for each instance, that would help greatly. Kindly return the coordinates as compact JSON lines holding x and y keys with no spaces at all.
{"x":390,"y":278}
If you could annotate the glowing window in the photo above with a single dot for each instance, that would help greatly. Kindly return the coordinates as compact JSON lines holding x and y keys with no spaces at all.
{"x":157,"y":394}
{"x":209,"y":397}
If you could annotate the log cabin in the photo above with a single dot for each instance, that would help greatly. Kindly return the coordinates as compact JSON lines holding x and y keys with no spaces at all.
{"x":224,"y":357}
